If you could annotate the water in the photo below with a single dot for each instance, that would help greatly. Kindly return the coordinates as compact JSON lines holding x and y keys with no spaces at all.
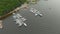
{"x":48,"y":24}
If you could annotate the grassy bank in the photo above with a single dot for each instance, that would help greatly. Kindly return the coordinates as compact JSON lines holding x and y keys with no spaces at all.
{"x":8,"y":5}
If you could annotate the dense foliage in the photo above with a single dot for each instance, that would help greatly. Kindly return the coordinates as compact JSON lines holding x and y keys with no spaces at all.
{"x":8,"y":5}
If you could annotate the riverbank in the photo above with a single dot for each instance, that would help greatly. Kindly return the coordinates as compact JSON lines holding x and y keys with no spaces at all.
{"x":10,"y":13}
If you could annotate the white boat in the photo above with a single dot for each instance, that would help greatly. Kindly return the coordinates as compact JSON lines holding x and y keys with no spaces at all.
{"x":19,"y":19}
{"x":36,"y":12}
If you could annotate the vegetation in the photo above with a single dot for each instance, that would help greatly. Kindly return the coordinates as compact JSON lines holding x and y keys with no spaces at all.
{"x":7,"y":5}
